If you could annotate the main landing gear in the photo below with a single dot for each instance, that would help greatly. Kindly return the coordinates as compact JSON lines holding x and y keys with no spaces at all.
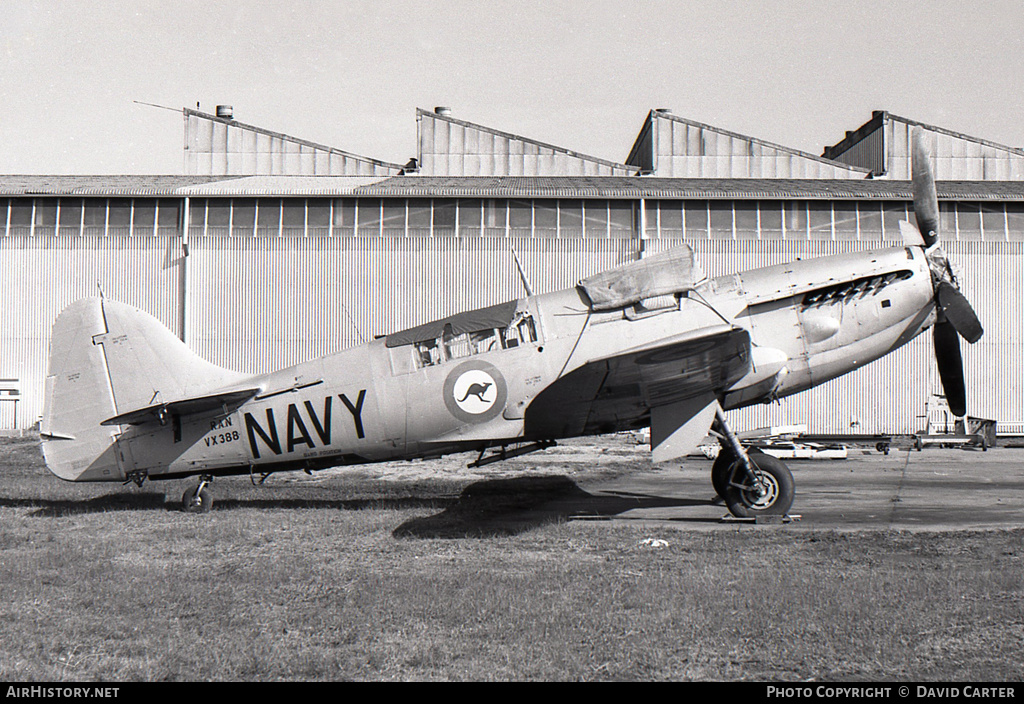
{"x":200,"y":499}
{"x":751,"y":483}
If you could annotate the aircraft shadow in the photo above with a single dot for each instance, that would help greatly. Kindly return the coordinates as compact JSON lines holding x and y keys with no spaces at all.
{"x":97,"y":504}
{"x":502,"y":507}
{"x":337,"y":504}
{"x":158,"y":502}
{"x":489,"y":508}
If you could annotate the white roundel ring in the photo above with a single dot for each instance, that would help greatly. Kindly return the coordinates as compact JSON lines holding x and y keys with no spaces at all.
{"x":475,"y":392}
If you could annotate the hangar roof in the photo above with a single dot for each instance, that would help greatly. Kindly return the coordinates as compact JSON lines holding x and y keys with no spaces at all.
{"x":453,"y":147}
{"x":652,"y":187}
{"x":17,"y":185}
{"x":281,"y":186}
{"x":224,"y":146}
{"x":674,"y":156}
{"x":614,"y":187}
{"x":670,"y":145}
{"x":883,"y":145}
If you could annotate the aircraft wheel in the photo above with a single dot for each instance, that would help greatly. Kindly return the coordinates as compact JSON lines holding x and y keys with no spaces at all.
{"x":722,"y":467}
{"x":773,"y":498}
{"x":720,"y":471}
{"x":193,"y":501}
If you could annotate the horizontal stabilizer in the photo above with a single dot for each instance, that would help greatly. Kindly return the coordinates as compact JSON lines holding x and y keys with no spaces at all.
{"x":227,"y":400}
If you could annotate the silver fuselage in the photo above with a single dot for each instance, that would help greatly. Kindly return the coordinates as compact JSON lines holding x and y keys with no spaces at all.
{"x":812,"y":320}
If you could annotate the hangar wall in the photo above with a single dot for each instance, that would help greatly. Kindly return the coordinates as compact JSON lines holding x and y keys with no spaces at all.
{"x":258,"y":298}
{"x":44,"y":273}
{"x":305,"y":249}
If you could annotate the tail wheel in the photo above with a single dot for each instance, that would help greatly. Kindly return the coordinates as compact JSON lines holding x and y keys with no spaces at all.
{"x":770,"y":495}
{"x":197,"y":500}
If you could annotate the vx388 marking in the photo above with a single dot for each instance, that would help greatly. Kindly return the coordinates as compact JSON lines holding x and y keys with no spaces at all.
{"x":296,"y":432}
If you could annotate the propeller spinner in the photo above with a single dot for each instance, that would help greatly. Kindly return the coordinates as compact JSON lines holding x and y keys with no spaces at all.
{"x":954,"y":316}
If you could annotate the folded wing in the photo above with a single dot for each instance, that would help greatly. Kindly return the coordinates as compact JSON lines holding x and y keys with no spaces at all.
{"x":669,"y":385}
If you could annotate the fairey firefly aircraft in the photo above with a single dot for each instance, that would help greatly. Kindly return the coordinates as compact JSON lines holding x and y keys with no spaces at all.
{"x":650,"y":342}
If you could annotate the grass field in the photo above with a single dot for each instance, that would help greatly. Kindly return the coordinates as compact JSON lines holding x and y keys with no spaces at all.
{"x":443,"y":576}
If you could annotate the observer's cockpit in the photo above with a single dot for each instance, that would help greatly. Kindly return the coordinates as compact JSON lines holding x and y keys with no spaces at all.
{"x":499,"y":327}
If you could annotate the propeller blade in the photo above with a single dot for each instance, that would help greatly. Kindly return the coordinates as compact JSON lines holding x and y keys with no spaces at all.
{"x":958,"y":311}
{"x":951,"y":367}
{"x":926,"y":201}
{"x":911,"y":235}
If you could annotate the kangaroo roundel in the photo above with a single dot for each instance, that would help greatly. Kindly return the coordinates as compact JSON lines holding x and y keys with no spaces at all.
{"x":475,"y":392}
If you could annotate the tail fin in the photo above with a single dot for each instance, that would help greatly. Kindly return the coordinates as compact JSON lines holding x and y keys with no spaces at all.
{"x":106,"y":359}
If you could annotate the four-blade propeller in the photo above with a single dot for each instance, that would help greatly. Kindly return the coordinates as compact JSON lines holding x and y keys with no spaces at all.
{"x":954,"y":316}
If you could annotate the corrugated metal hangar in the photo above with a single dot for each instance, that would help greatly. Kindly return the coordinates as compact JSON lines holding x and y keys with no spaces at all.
{"x":272,"y":250}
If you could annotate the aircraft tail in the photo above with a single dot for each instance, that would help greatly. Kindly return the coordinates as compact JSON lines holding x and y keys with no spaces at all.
{"x":106,"y":359}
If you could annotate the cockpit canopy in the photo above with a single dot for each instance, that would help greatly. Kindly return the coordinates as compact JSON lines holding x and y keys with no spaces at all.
{"x":502,"y":326}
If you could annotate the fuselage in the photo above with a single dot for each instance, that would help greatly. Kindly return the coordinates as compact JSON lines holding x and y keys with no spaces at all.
{"x":469,"y":386}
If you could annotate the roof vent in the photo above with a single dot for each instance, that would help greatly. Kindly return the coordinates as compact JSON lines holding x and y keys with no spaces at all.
{"x":226,"y":112}
{"x":443,"y":111}
{"x":663,"y":111}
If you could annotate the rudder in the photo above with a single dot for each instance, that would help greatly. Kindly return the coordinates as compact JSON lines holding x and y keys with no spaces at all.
{"x":78,"y":398}
{"x":107,"y":358}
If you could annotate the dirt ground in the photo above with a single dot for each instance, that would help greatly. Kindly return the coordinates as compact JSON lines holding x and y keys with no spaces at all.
{"x":936,"y":488}
{"x":612,"y":478}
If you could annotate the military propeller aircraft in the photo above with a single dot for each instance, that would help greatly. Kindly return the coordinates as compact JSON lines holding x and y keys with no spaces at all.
{"x":648,"y":343}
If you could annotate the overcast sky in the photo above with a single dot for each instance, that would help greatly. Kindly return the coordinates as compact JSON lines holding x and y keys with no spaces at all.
{"x":581,"y":75}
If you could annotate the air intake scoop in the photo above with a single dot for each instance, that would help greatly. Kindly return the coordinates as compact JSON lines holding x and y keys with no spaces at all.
{"x":670,"y":272}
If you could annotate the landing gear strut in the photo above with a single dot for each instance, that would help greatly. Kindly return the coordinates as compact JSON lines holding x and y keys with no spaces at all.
{"x":200,"y":499}
{"x":751,"y":483}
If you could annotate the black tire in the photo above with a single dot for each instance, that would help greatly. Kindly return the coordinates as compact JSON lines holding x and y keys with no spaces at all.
{"x":196,"y":502}
{"x":720,"y":471}
{"x":722,"y":468}
{"x":775,"y":501}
